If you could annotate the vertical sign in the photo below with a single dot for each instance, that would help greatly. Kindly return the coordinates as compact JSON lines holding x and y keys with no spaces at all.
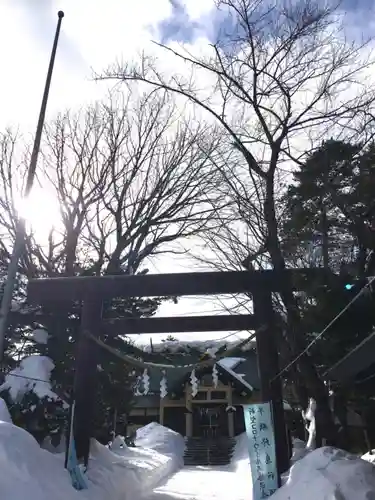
{"x":261,"y":442}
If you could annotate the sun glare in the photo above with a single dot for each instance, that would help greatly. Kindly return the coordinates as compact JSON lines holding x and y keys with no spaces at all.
{"x":40,"y":211}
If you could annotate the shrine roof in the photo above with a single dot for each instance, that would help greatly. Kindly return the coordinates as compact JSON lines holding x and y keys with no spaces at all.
{"x":243,"y":374}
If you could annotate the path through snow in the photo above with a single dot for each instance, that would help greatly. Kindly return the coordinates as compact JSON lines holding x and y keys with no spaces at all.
{"x":201,"y":483}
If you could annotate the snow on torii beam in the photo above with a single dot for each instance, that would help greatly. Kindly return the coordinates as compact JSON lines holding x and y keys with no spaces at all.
{"x":158,"y":285}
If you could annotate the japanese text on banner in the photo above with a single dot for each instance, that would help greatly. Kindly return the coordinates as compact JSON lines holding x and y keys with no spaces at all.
{"x":261,"y":442}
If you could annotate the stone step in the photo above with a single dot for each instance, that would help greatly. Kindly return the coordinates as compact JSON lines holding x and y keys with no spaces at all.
{"x":206,"y":462}
{"x":214,"y":450}
{"x":208,"y":451}
{"x":209,"y":454}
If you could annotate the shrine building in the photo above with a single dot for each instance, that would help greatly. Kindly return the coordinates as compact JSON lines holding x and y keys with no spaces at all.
{"x":205,"y":402}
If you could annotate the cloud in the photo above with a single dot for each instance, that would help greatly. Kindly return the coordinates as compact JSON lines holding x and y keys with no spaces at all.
{"x":358,"y":16}
{"x":193,"y":19}
{"x":94,"y":33}
{"x":179,"y":26}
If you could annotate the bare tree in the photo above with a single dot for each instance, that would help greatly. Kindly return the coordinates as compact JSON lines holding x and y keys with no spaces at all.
{"x":131,"y":179}
{"x":285,"y":77}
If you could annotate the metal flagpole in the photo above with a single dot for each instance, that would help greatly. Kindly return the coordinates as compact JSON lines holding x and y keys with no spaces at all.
{"x":19,"y":243}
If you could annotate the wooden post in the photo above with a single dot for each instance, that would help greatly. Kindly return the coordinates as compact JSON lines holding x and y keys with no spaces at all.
{"x":85,"y":384}
{"x":268,"y":366}
{"x":161,"y":412}
{"x":188,"y":423}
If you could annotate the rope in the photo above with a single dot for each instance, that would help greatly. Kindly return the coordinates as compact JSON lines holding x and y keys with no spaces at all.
{"x":143,"y":364}
{"x":299,"y":356}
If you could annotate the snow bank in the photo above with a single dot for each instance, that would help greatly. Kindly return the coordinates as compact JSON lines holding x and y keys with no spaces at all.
{"x":329,"y":474}
{"x":121,"y":473}
{"x":240,"y":458}
{"x":4,"y":412}
{"x":29,"y":472}
{"x":162,"y":440}
{"x":159,"y":453}
{"x":299,"y":450}
{"x":323,"y":474}
{"x":369,"y":457}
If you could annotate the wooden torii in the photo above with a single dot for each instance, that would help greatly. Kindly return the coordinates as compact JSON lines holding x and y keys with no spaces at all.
{"x":92,"y":291}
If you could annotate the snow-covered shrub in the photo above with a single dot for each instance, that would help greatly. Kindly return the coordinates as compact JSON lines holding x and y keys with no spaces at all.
{"x":32,"y":403}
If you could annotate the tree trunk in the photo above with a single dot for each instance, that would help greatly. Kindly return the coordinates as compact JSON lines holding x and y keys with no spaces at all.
{"x":324,"y":421}
{"x":340,"y":409}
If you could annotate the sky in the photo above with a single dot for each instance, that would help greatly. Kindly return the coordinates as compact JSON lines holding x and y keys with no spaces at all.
{"x":94,"y":34}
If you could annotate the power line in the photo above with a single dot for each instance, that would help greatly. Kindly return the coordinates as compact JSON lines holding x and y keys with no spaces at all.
{"x":365,"y":379}
{"x":9,"y":374}
{"x":368,"y":284}
{"x":226,"y":337}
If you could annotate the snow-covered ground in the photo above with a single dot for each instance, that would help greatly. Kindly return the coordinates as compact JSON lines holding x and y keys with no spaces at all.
{"x":217,"y":483}
{"x":121,"y":473}
{"x":204,"y":483}
{"x":154,"y":471}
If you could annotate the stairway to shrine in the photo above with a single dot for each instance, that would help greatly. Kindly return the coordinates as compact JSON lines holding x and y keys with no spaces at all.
{"x":209,"y":451}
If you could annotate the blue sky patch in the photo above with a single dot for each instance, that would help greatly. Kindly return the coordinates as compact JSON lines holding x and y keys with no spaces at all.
{"x":219,"y":23}
{"x":178,"y":27}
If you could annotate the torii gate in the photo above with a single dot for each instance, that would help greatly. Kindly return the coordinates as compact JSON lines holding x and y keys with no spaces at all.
{"x":93,"y":290}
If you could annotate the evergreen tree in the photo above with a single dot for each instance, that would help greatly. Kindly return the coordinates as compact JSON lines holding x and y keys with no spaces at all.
{"x":329,"y":204}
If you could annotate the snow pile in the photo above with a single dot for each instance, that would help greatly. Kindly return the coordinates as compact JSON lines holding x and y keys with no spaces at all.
{"x":329,"y":474}
{"x":33,"y":374}
{"x":323,"y":474}
{"x":369,"y":457}
{"x":240,"y":457}
{"x":120,"y":473}
{"x":299,"y":450}
{"x":159,"y":454}
{"x":4,"y":412}
{"x":30,"y":472}
{"x":162,"y":440}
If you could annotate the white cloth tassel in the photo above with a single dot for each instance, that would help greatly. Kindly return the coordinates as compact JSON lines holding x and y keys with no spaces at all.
{"x":194,"y":384}
{"x":137,"y":386}
{"x":215,"y":376}
{"x":163,"y":386}
{"x":146,"y":382}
